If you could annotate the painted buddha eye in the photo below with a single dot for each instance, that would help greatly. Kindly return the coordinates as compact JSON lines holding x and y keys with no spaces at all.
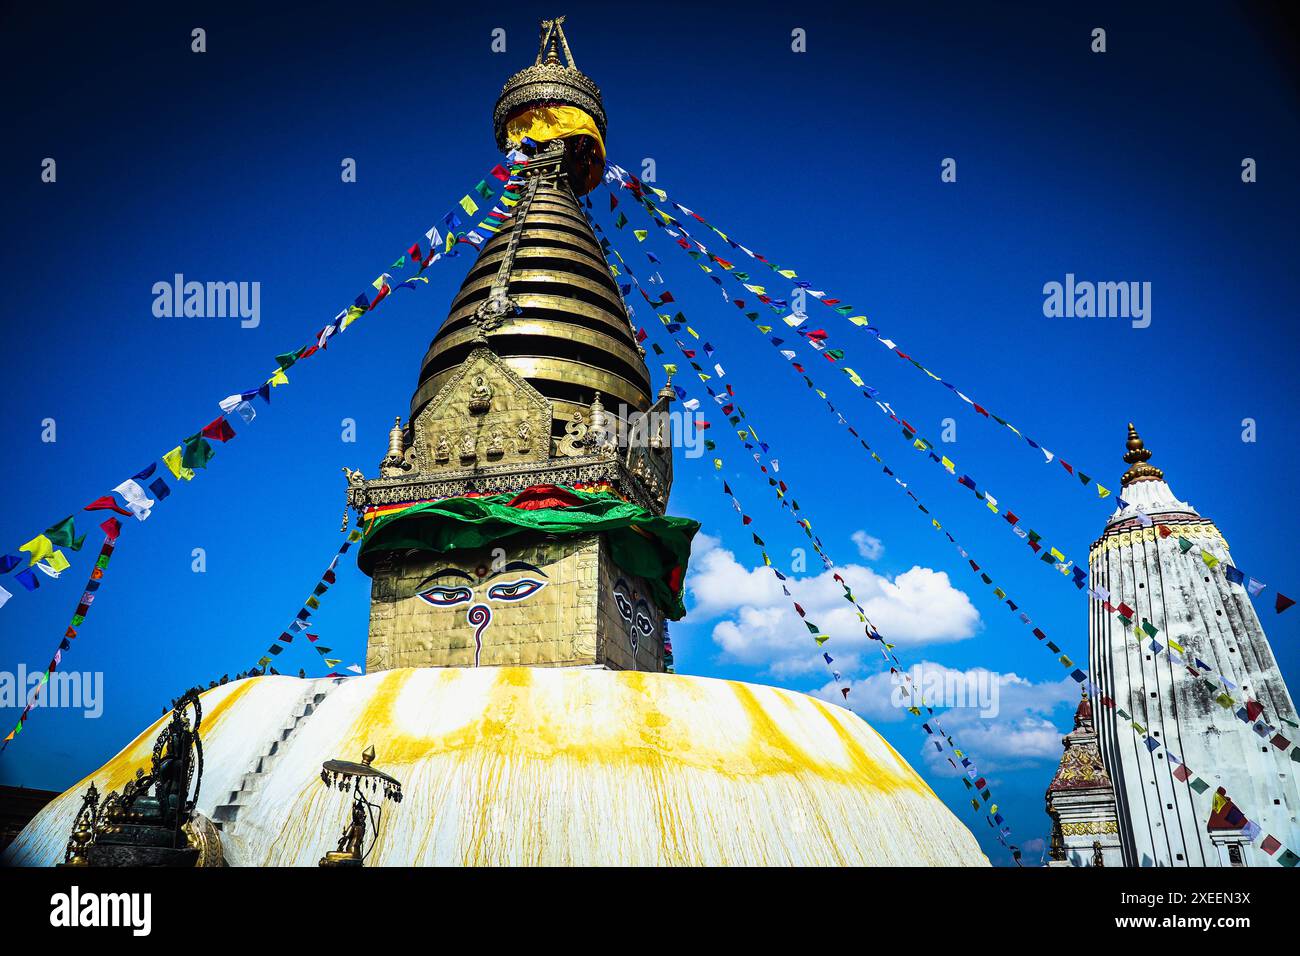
{"x":515,"y":590}
{"x":644,"y":623}
{"x":622,"y":600}
{"x":444,"y":596}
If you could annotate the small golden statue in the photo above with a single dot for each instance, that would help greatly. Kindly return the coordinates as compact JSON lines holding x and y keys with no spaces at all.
{"x":83,"y":830}
{"x":365,"y":814}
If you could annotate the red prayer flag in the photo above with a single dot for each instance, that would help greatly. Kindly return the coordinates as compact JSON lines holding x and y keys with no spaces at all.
{"x":106,"y":503}
{"x":111,"y":528}
{"x":499,"y":172}
{"x":1282,"y":603}
{"x":1270,"y":845}
{"x":1181,"y":772}
{"x":218,"y":429}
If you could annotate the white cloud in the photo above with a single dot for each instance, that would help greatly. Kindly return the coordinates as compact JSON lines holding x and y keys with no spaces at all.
{"x":869,"y":546}
{"x":1020,"y":732}
{"x":760,"y":628}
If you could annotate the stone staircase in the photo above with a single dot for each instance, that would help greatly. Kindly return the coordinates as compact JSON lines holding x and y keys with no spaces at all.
{"x":226,"y":815}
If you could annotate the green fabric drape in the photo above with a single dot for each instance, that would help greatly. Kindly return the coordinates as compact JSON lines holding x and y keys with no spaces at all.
{"x":653,"y":547}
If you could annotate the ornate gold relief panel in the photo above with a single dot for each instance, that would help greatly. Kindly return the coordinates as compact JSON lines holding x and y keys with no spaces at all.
{"x":484,"y":415}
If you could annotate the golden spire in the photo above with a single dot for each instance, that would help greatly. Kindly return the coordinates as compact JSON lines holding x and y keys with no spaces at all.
{"x":1137,"y":457}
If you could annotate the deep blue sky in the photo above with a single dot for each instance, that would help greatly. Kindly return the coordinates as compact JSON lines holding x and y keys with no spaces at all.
{"x":225,"y":166}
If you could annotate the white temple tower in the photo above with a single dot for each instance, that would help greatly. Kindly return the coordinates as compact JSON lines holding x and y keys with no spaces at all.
{"x":1162,"y":821}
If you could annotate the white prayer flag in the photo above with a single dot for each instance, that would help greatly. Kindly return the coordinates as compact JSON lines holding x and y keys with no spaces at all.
{"x":135,"y":498}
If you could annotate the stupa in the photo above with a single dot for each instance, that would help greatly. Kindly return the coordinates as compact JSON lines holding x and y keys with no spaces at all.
{"x":1161,"y":821}
{"x":523,"y":566}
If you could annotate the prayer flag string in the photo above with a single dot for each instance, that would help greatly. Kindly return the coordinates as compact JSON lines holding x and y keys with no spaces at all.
{"x":84,"y":605}
{"x":931,"y":724}
{"x":42,"y":553}
{"x":1071,"y":572}
{"x":1078,"y":674}
{"x":818,"y":339}
{"x":302,"y":618}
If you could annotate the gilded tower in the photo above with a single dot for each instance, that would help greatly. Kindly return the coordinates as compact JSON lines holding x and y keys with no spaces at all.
{"x":519,"y":514}
{"x":1161,"y":821}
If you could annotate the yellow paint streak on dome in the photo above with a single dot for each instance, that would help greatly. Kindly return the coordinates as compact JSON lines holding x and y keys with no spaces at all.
{"x":519,"y":721}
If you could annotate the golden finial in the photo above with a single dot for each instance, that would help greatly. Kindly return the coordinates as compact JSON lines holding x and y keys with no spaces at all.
{"x":1137,"y":457}
{"x":368,"y":755}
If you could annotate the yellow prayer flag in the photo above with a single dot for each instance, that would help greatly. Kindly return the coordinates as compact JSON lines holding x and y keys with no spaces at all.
{"x":1103,"y":492}
{"x":854,"y":377}
{"x":40,"y":547}
{"x":640,"y":234}
{"x":788,"y":273}
{"x":56,"y":562}
{"x":858,"y":319}
{"x":173,"y":462}
{"x":354,"y":312}
{"x":278,"y":379}
{"x":469,"y":205}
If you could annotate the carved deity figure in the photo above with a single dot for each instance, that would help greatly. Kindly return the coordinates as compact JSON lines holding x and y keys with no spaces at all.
{"x":496,"y":442}
{"x":480,"y":396}
{"x":354,"y":835}
{"x":442,"y":452}
{"x":523,"y":437}
{"x":467,"y":444}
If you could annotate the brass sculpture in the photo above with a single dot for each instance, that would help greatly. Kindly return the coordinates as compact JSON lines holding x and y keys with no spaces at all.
{"x":150,"y":822}
{"x":365,"y":813}
{"x":83,"y":830}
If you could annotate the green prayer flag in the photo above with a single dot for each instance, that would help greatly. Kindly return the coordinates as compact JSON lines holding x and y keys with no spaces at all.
{"x":197,"y":452}
{"x":64,"y":534}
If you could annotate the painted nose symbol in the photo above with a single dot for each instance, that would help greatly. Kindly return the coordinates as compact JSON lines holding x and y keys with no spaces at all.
{"x":480,"y":616}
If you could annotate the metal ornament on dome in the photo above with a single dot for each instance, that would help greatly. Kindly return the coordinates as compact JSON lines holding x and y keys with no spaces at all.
{"x":554,"y":80}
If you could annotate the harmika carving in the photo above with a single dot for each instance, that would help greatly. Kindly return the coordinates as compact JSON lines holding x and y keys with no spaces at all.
{"x":573,"y":445}
{"x":496,"y":443}
{"x":467,"y":447}
{"x":524,"y":438}
{"x":442,"y":452}
{"x":480,"y":396}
